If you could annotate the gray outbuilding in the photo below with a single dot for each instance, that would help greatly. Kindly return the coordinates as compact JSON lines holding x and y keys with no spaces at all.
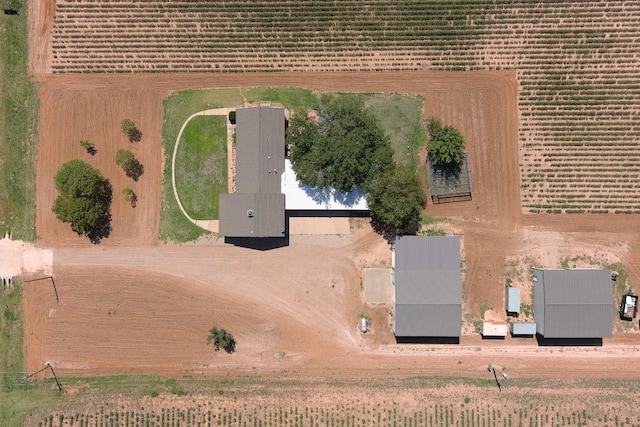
{"x":512,"y":300}
{"x":523,"y":329}
{"x":573,"y":303}
{"x":427,"y":294}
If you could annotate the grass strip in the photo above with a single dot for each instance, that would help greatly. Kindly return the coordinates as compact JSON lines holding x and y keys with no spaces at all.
{"x":18,"y":126}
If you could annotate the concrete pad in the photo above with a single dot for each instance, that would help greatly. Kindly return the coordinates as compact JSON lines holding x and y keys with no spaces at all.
{"x":212,"y":225}
{"x":319,"y":226}
{"x":378,"y":285}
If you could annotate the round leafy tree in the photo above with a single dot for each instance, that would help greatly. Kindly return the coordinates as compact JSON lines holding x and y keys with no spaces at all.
{"x":84,"y":200}
{"x":446,"y":146}
{"x":345,"y":147}
{"x":395,"y":202}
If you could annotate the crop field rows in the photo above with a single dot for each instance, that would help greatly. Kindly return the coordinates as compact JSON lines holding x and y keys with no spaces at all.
{"x":340,"y":416}
{"x":578,"y":65}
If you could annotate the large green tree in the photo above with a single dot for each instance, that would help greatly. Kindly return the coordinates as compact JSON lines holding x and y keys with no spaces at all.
{"x":395,"y":202}
{"x":343,"y":147}
{"x":446,"y":146}
{"x":84,"y":200}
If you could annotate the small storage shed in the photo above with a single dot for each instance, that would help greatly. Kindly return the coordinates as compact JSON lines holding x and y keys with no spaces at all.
{"x":512,"y":300}
{"x":494,"y":329}
{"x":523,"y":329}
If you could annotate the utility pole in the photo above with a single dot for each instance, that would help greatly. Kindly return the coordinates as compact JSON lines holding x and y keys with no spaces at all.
{"x":47,"y":364}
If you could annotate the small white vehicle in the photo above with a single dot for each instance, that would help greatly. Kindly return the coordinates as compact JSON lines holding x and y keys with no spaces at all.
{"x":363,"y":325}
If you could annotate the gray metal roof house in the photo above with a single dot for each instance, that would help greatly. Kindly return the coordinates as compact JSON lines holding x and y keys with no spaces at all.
{"x":573,"y":303}
{"x":427,"y":294}
{"x":257,"y":208}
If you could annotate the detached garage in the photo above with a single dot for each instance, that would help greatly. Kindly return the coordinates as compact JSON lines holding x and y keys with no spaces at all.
{"x":427,"y":294}
{"x":573,"y":303}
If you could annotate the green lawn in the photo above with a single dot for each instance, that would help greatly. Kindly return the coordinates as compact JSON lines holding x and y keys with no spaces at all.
{"x":177,"y":108}
{"x":201,"y":166}
{"x":18,"y":125}
{"x":400,"y":115}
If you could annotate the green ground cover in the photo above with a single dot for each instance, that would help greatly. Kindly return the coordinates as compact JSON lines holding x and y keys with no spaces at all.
{"x":18,"y":125}
{"x":201,"y":166}
{"x":17,"y":400}
{"x":177,"y":108}
{"x":399,"y":115}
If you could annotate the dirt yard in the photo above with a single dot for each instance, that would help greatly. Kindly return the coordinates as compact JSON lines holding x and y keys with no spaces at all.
{"x":294,"y":309}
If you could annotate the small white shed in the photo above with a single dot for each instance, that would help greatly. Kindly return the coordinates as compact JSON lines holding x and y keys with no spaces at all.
{"x":494,"y":329}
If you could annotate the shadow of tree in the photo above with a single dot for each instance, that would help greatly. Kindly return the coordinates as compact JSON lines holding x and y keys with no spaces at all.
{"x":103,"y":226}
{"x":231,"y":346}
{"x":389,"y":232}
{"x":136,"y":170}
{"x":135,"y":135}
{"x":134,"y":200}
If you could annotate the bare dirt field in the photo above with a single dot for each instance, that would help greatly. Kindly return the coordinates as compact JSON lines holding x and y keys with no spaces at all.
{"x":155,"y":305}
{"x":481,"y":104}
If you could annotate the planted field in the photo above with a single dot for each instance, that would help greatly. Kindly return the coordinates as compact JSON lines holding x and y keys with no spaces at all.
{"x":577,"y":65}
{"x":398,"y":403}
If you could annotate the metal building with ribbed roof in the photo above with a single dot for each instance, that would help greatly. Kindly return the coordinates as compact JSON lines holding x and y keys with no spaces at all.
{"x":573,"y":303}
{"x":427,"y":294}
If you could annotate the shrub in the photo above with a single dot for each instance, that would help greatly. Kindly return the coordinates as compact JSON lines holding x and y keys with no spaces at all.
{"x":129,"y":164}
{"x":130,"y":196}
{"x":129,"y":128}
{"x":89,"y":146}
{"x":221,"y":339}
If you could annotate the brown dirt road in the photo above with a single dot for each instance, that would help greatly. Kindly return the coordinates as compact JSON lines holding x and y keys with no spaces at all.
{"x":293,"y":311}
